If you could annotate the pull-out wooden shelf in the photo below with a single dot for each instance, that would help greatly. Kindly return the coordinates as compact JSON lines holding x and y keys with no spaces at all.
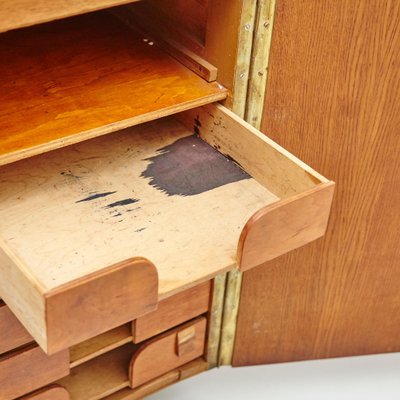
{"x":79,"y":224}
{"x":74,"y":79}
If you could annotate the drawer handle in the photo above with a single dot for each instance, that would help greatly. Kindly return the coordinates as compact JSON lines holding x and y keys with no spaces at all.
{"x":185,"y":341}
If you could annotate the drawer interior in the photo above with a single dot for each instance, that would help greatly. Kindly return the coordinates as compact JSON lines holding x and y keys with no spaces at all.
{"x":169,"y":190}
{"x":155,"y":191}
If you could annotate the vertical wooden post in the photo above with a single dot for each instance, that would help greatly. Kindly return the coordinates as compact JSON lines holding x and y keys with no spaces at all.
{"x":259,"y":62}
{"x":245,"y":46}
{"x":250,"y":83}
{"x":215,"y":321}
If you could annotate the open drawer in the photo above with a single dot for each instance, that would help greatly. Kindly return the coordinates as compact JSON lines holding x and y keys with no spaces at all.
{"x":94,"y":233}
{"x":79,"y":224}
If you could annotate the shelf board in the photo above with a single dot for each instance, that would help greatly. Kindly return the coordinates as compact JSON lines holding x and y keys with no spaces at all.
{"x":82,"y":77}
{"x":154,"y":191}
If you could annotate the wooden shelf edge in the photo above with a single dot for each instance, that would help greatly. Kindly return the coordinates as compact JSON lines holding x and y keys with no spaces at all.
{"x":285,"y":225}
{"x":110,"y":128}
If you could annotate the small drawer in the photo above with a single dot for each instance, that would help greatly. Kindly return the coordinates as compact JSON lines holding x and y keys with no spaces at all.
{"x":53,"y":392}
{"x":173,"y":311}
{"x":12,"y":333}
{"x":167,"y":352}
{"x":28,"y":369}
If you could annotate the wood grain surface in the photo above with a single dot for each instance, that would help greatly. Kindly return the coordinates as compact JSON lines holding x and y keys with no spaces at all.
{"x":28,"y":369}
{"x":162,"y":354}
{"x":333,"y":99}
{"x":71,"y":80}
{"x":53,"y":392}
{"x":173,"y":311}
{"x":284,"y":226}
{"x":19,"y":13}
{"x":186,"y":371}
{"x":12,"y":333}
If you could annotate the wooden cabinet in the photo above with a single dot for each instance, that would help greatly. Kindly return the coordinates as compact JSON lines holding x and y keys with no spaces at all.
{"x":130,"y":187}
{"x":333,"y":99}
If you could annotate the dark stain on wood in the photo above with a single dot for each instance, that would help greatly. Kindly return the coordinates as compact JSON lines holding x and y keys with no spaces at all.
{"x":95,"y":196}
{"x":124,"y":202}
{"x":190,"y":166}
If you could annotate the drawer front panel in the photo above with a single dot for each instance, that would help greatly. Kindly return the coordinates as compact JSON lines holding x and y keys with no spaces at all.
{"x":28,"y":369}
{"x":167,"y":352}
{"x":12,"y":333}
{"x":173,"y":311}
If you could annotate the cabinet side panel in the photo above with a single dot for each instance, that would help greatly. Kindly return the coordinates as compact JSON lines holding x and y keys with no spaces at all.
{"x":332,"y":99}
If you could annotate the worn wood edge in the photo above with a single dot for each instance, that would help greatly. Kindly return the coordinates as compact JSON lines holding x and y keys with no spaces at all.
{"x":184,"y":55}
{"x":49,"y":16}
{"x":52,"y":392}
{"x":260,"y":60}
{"x":294,"y":222}
{"x":77,"y":359}
{"x":270,"y":164}
{"x":143,"y":347}
{"x":215,"y":321}
{"x":12,"y":332}
{"x":231,"y":309}
{"x":243,"y":62}
{"x":22,"y":293}
{"x":110,"y":128}
{"x":85,"y":316}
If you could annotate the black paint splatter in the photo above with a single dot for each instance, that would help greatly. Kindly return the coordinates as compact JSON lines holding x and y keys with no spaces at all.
{"x":124,"y":202}
{"x":95,"y":196}
{"x":190,"y":166}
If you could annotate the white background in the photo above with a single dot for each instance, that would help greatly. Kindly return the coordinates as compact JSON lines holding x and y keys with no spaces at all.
{"x":356,"y":378}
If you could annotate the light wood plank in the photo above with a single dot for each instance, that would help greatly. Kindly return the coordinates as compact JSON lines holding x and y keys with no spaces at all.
{"x":60,"y":84}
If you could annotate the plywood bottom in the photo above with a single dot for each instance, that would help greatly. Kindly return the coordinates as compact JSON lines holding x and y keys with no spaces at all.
{"x":154,"y":191}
